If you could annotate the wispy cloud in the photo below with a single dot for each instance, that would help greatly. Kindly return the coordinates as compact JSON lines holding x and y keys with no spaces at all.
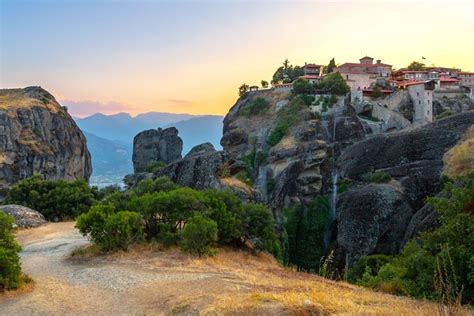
{"x":180,"y":101}
{"x":82,"y":108}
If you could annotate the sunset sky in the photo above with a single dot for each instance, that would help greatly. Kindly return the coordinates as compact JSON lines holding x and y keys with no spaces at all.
{"x":190,"y":57}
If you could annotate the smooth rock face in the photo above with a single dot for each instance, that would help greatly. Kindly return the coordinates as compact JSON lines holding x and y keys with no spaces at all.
{"x":156,"y":145}
{"x":24,"y":217}
{"x":37,"y":135}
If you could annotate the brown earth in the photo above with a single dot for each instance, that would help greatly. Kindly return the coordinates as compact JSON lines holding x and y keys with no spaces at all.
{"x":145,"y":281}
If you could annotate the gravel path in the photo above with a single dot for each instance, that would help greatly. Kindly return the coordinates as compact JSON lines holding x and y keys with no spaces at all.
{"x":95,"y":287}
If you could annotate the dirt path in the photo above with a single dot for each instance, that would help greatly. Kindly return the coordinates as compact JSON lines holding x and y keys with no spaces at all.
{"x":116,"y":286}
{"x":144,"y":281}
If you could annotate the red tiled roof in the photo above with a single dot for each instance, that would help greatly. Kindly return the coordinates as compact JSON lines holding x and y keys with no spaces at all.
{"x":465,"y":73}
{"x":363,"y":65}
{"x":382,"y":90}
{"x":447,"y":79}
{"x":409,"y":83}
{"x":312,"y":66}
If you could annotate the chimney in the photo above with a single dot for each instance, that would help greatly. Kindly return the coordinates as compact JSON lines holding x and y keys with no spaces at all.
{"x":378,"y":61}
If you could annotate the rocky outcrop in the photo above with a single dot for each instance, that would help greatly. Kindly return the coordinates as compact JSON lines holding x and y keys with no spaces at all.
{"x":198,"y":169}
{"x":24,"y":217}
{"x":156,"y":145}
{"x":382,"y":218}
{"x":37,"y":135}
{"x":371,"y":219}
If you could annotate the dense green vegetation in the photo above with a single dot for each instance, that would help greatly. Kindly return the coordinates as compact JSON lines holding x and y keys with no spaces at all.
{"x":286,"y":117}
{"x":440,"y":263}
{"x":159,"y":210}
{"x":56,"y":200}
{"x":287,"y":73}
{"x":255,"y":107}
{"x":377,"y":177}
{"x":10,"y":269}
{"x":334,"y":83}
{"x":155,"y":166}
{"x":305,"y":228}
{"x":443,"y":115}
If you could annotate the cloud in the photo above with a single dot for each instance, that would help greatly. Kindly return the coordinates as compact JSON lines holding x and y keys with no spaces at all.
{"x":84,"y":108}
{"x":180,"y":101}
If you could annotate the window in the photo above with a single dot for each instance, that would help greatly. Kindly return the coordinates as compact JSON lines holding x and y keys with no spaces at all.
{"x":419,"y":101}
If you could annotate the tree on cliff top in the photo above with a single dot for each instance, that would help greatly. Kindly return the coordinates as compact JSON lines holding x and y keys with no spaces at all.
{"x":416,"y":66}
{"x":331,"y":66}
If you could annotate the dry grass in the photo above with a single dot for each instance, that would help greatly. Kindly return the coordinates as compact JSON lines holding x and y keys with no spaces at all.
{"x":16,"y":98}
{"x":26,"y":285}
{"x":232,"y":282}
{"x":459,"y":160}
{"x":236,"y":183}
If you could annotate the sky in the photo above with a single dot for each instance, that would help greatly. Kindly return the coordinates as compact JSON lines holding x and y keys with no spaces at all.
{"x":191,"y":56}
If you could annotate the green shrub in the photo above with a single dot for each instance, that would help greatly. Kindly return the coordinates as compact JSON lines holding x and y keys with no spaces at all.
{"x":155,"y":166}
{"x":157,"y":185}
{"x":10,"y":268}
{"x":111,"y":230}
{"x":306,"y":229}
{"x":199,"y":236}
{"x":443,"y":115}
{"x":332,"y":100}
{"x":368,"y":264}
{"x":335,"y":84}
{"x":258,"y":226}
{"x":255,"y":107}
{"x":56,"y":200}
{"x":278,"y":132}
{"x":226,"y":210}
{"x":377,"y":177}
{"x":244,"y":177}
{"x":286,"y":118}
{"x":303,"y":87}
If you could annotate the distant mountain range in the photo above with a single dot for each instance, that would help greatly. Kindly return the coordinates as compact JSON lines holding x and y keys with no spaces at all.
{"x":110,"y":138}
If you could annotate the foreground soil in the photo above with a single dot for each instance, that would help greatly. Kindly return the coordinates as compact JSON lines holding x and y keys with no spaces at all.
{"x":145,"y":281}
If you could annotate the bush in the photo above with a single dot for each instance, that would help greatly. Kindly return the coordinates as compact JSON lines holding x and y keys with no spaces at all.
{"x":110,"y":230}
{"x":56,"y":200}
{"x":303,"y":86}
{"x":155,"y":166}
{"x":10,"y":269}
{"x":258,"y":226}
{"x":286,"y":118}
{"x":166,"y":214}
{"x":377,"y":177}
{"x":335,"y":84}
{"x":443,"y":115}
{"x":199,"y":236}
{"x":255,"y":107}
{"x":306,"y":230}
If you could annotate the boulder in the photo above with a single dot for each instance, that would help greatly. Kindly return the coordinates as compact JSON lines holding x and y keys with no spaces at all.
{"x":371,"y":219}
{"x":156,"y":145}
{"x":24,"y":217}
{"x":38,"y":136}
{"x":198,"y":170}
{"x":200,"y":149}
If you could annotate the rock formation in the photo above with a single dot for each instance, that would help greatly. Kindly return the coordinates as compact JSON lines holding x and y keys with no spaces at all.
{"x":37,"y":135}
{"x":382,"y":218}
{"x":156,"y":145}
{"x":24,"y":217}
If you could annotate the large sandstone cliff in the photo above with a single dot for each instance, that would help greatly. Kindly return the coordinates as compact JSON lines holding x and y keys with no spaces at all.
{"x":37,"y":135}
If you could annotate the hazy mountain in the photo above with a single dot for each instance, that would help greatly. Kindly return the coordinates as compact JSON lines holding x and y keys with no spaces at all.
{"x":123,"y":127}
{"x":110,"y":138}
{"x":200,"y":130}
{"x":111,"y":160}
